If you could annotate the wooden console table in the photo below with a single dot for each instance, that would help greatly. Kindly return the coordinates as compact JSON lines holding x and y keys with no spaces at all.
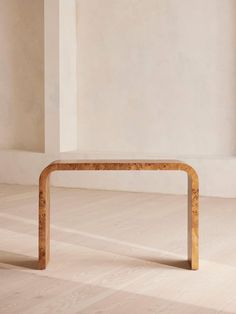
{"x":126,"y":165}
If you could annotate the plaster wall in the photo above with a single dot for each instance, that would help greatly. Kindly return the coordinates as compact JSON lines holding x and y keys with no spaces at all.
{"x":157,"y":77}
{"x":154,"y":79}
{"x":68,"y":75}
{"x":22,"y":75}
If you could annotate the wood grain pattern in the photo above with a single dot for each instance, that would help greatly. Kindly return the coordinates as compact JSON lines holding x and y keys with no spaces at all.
{"x":119,"y":165}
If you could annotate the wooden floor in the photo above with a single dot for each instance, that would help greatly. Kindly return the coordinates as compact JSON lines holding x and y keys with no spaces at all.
{"x":115,"y":252}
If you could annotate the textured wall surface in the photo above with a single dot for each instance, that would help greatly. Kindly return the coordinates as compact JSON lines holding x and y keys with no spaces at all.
{"x":157,"y":76}
{"x":21,"y":75}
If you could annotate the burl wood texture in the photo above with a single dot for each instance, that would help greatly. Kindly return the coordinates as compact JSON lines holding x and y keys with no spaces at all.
{"x":126,"y":165}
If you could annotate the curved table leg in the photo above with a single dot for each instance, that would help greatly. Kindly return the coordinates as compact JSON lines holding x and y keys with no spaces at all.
{"x":193,"y":213}
{"x":44,"y":203}
{"x":44,"y":220}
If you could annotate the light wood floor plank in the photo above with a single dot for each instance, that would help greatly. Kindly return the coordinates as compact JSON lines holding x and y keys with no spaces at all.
{"x":115,"y":252}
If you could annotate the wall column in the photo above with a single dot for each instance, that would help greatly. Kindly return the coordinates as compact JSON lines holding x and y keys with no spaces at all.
{"x":60,"y":76}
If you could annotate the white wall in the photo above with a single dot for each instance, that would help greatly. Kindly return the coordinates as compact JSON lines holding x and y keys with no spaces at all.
{"x":154,"y":78}
{"x":157,"y":76}
{"x":21,"y":75}
{"x":68,"y":75}
{"x":60,"y":29}
{"x":52,"y":75}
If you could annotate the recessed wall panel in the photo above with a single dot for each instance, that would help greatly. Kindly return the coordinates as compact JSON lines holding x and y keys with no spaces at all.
{"x":157,"y":76}
{"x":22,"y":75}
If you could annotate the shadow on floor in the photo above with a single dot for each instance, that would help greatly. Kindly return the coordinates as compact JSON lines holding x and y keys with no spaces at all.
{"x":25,"y":261}
{"x":177,"y":263}
{"x":19,"y":260}
{"x":137,"y":262}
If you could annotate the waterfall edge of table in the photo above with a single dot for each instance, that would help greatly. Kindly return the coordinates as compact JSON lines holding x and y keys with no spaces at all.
{"x":118,"y":165}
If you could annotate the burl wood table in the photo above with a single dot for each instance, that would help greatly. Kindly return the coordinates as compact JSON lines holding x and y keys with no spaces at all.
{"x":124,"y":165}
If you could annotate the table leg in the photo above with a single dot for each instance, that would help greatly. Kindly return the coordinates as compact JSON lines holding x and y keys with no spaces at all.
{"x":193,"y":213}
{"x":44,"y":220}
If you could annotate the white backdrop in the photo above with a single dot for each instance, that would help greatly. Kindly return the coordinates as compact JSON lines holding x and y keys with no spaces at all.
{"x":157,"y":76}
{"x":123,"y":79}
{"x":21,"y":75}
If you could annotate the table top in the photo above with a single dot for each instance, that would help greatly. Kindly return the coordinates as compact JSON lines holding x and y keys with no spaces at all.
{"x":119,"y":161}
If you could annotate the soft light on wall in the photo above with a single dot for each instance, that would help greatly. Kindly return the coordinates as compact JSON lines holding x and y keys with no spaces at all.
{"x":157,"y":77}
{"x":22,"y":75}
{"x":125,"y":79}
